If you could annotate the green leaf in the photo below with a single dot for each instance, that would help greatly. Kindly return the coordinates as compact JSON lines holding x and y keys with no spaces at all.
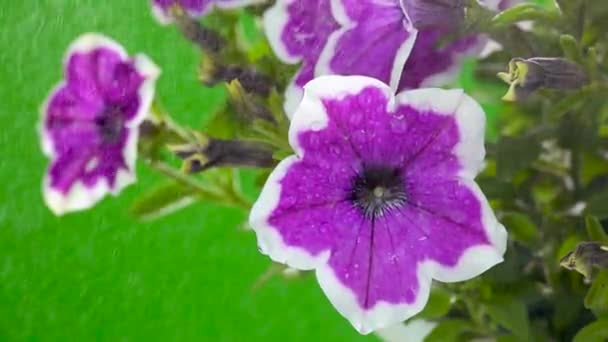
{"x":572,"y":101}
{"x":566,"y":311}
{"x":281,"y":154}
{"x":520,"y":226}
{"x":515,"y":154}
{"x":597,"y":296}
{"x":223,"y":124}
{"x":521,"y":12}
{"x":438,"y":305}
{"x":250,"y":38}
{"x":571,"y":48}
{"x":508,"y":338}
{"x":511,"y":314}
{"x":594,"y":332}
{"x":595,"y":231}
{"x":576,"y":132}
{"x":163,"y":200}
{"x":598,"y":205}
{"x":496,"y":188}
{"x":568,"y":245}
{"x":449,"y":330}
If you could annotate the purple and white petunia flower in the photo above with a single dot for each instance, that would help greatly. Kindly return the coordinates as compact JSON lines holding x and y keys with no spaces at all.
{"x":89,"y":126}
{"x":347,"y":37}
{"x":380,"y":197}
{"x":194,"y":8}
{"x":395,"y":41}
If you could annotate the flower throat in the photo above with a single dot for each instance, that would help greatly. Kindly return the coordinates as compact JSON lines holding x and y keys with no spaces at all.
{"x":110,"y":124}
{"x":377,"y":190}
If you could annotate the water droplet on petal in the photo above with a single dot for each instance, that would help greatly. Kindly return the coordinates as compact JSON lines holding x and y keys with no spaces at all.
{"x":398,"y":126}
{"x":289,"y":201}
{"x":335,"y":150}
{"x":324,"y":228}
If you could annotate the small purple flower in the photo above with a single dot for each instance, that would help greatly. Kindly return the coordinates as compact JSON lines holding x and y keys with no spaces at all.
{"x":339,"y":37}
{"x":376,"y":38}
{"x":89,"y":126}
{"x":380,"y":197}
{"x":194,"y":8}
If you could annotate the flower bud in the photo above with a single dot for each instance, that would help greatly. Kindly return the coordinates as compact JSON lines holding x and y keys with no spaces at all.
{"x":448,"y":14}
{"x":206,"y":39}
{"x":527,"y":75}
{"x":212,"y":72}
{"x":246,"y":105}
{"x":210,"y":152}
{"x":585,"y":257}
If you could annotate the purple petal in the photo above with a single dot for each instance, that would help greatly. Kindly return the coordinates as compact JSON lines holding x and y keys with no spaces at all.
{"x":377,"y":270}
{"x":81,"y":78}
{"x":430,"y":65}
{"x":298,"y":31}
{"x":375,"y":41}
{"x":447,"y":14}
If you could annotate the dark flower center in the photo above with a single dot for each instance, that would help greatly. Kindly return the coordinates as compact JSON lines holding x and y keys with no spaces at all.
{"x":110,"y":124}
{"x":377,"y":190}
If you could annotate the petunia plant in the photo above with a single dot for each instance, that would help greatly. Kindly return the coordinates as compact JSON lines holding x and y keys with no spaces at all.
{"x":472,"y":211}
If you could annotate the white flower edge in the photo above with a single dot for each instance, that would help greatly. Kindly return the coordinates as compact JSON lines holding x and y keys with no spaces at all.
{"x":415,"y":330}
{"x":468,"y":114}
{"x":293,"y":97}
{"x":274,"y":21}
{"x":81,"y":197}
{"x":270,"y":242}
{"x":311,"y":115}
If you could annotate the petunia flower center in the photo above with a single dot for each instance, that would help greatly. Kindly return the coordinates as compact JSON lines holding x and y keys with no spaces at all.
{"x":377,"y":190}
{"x":110,"y":124}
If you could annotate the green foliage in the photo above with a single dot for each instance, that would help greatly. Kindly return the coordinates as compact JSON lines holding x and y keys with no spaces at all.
{"x":438,"y":305}
{"x":594,"y":332}
{"x":522,"y":12}
{"x":597,"y":297}
{"x":595,"y":231}
{"x":597,"y":205}
{"x":163,"y":200}
{"x":521,"y":227}
{"x":511,"y":314}
{"x":449,"y":330}
{"x":515,"y":154}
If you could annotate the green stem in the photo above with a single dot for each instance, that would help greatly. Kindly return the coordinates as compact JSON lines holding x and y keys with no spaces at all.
{"x":273,"y":138}
{"x":222,"y":196}
{"x":170,"y":124}
{"x":575,"y":171}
